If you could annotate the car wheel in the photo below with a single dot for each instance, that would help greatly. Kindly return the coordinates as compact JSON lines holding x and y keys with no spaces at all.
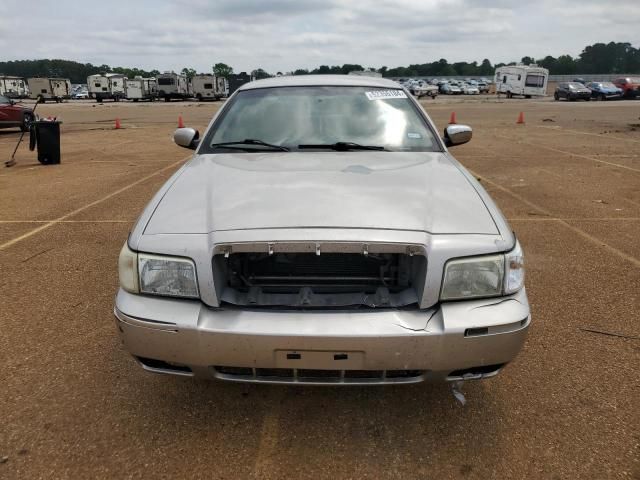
{"x":199,"y":97}
{"x":166,"y":99}
{"x":556,"y":97}
{"x":588,"y":99}
{"x":602,"y":97}
{"x":27,"y":118}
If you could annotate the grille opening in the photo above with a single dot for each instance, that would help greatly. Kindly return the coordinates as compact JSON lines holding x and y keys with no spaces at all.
{"x":328,"y":280}
{"x":162,"y":365}
{"x":320,"y":375}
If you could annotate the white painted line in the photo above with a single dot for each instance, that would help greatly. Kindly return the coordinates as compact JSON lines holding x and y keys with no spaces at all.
{"x":66,"y":221}
{"x":577,"y":230}
{"x":578,"y":132}
{"x":89,"y":205}
{"x":571,"y":154}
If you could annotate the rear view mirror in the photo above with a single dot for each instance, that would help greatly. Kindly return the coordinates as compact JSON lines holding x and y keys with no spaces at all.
{"x":457,"y":135}
{"x":187,"y":138}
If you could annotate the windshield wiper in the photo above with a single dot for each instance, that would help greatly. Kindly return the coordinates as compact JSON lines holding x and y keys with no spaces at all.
{"x":343,"y":147}
{"x":248,"y":141}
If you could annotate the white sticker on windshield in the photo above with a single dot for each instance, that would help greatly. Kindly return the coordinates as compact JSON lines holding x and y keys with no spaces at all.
{"x":385,"y":94}
{"x":414,"y":135}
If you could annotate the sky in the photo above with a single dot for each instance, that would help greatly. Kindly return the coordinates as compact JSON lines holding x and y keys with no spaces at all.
{"x":282,"y":35}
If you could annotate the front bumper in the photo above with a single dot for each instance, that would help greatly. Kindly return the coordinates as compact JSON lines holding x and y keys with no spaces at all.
{"x":454,"y":341}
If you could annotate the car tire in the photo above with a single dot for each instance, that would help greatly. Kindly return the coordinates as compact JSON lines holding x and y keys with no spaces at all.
{"x":27,"y":118}
{"x":588,"y":99}
{"x":199,"y":97}
{"x":556,"y":97}
{"x":166,"y":98}
{"x":602,"y":97}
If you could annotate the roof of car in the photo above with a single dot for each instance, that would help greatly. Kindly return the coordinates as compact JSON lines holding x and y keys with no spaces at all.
{"x":321,"y":80}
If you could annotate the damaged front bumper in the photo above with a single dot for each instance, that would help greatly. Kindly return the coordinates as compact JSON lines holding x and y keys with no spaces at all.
{"x":450,"y":342}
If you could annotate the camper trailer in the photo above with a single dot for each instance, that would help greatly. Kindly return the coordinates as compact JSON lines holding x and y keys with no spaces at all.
{"x":13,"y":87}
{"x":173,"y":85}
{"x":208,"y":87}
{"x":526,"y":80}
{"x":142,"y":89}
{"x":106,"y":86}
{"x":43,"y":89}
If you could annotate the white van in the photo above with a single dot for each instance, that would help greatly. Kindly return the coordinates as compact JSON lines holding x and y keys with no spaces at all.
{"x":526,"y":80}
{"x":13,"y":87}
{"x":142,"y":89}
{"x":173,"y":85}
{"x":106,"y":86}
{"x":43,"y":89}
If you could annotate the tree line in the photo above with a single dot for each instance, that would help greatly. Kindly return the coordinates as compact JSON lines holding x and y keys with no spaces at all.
{"x":610,"y":58}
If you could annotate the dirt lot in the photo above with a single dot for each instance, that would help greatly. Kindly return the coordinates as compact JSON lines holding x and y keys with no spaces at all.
{"x":75,"y":405}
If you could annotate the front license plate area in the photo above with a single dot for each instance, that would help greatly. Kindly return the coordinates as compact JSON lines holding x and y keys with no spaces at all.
{"x":319,"y":359}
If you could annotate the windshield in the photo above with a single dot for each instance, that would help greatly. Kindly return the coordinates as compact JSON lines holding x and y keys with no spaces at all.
{"x":605,"y":85}
{"x":293,"y":116}
{"x":4,"y":99}
{"x":576,"y":85}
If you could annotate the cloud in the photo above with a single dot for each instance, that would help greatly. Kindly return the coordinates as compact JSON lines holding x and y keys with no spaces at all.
{"x":281,"y":35}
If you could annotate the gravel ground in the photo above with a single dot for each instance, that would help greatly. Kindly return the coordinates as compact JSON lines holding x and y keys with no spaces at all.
{"x":75,"y":405}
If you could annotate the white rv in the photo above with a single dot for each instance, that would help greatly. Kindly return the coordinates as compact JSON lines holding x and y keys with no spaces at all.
{"x":13,"y":87}
{"x":173,"y":85}
{"x":106,"y":86}
{"x":142,"y":89}
{"x":43,"y":89}
{"x":208,"y":87}
{"x":526,"y":80}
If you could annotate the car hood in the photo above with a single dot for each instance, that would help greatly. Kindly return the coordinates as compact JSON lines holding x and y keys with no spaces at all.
{"x":422,"y":191}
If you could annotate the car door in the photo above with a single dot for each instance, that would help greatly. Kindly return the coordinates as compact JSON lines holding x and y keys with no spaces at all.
{"x":9,"y":114}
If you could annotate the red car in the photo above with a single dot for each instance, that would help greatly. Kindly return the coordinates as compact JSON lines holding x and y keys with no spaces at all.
{"x":13,"y":115}
{"x":630,"y":86}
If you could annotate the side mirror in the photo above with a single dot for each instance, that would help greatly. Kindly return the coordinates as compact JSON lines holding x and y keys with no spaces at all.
{"x":187,"y":138}
{"x":457,"y":135}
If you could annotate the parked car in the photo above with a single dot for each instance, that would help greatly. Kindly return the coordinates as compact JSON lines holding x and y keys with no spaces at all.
{"x":80,"y":95}
{"x":450,"y":89}
{"x":630,"y":86}
{"x":365,"y":253}
{"x":420,"y":88}
{"x":572,"y":91}
{"x":483,"y":87}
{"x":470,"y":89}
{"x":604,"y":90}
{"x":14,"y":115}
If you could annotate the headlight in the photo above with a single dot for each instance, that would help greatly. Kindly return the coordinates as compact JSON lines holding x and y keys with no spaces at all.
{"x":484,"y":276}
{"x":473,"y":277}
{"x":514,"y":279}
{"x":170,"y":276}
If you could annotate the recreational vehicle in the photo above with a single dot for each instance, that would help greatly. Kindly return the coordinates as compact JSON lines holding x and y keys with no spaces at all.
{"x":13,"y":87}
{"x":106,"y":86}
{"x":142,"y":89}
{"x":173,"y":85}
{"x":208,"y":87}
{"x":527,"y":80}
{"x":43,"y":89}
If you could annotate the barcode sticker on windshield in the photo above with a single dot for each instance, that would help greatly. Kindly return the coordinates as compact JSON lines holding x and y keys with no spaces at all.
{"x":385,"y":94}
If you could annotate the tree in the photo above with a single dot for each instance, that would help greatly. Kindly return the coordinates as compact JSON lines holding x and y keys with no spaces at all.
{"x":301,"y":71}
{"x":259,"y":73}
{"x":188,"y":72}
{"x":527,"y":60}
{"x":222,"y":70}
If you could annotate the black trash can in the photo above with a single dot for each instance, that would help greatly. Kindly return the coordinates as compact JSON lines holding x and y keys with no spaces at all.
{"x":46,"y":135}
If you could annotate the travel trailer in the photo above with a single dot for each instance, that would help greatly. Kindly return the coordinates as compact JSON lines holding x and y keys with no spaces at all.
{"x":142,"y":89}
{"x":208,"y":87}
{"x":526,"y":80}
{"x":43,"y":89}
{"x":13,"y":87}
{"x":104,"y":86}
{"x":173,"y":85}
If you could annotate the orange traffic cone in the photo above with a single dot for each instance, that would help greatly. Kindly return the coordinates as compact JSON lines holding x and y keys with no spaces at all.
{"x":180,"y":122}
{"x":452,"y":120}
{"x":118,"y":126}
{"x":520,"y":118}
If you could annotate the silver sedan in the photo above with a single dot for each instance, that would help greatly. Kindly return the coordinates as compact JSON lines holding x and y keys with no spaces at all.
{"x":322,"y":233}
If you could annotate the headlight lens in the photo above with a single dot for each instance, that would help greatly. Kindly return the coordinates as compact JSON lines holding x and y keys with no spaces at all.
{"x":514,"y":280}
{"x":128,"y":269}
{"x":473,"y":277}
{"x":170,"y":276}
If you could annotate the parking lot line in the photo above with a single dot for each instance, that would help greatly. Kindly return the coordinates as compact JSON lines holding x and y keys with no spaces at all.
{"x":571,"y":154}
{"x":64,"y":221}
{"x":89,"y":205}
{"x":578,"y":132}
{"x":577,"y":230}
